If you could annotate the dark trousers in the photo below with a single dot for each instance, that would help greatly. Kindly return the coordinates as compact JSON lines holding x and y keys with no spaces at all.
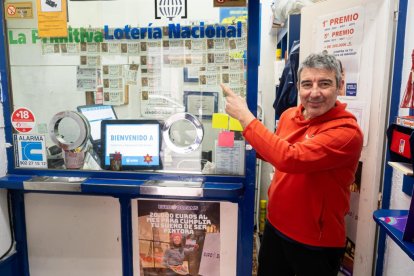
{"x":282,"y":257}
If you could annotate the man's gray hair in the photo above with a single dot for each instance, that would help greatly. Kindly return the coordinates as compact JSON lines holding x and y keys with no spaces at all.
{"x":322,"y":61}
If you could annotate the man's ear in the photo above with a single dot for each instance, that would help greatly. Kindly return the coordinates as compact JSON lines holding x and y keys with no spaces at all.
{"x":341,"y":85}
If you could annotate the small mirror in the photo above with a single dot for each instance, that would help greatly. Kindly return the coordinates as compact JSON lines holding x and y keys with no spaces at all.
{"x":183,"y":132}
{"x":68,"y":130}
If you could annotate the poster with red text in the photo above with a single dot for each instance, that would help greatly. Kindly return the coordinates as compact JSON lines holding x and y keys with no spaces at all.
{"x":179,"y":237}
{"x":341,"y":34}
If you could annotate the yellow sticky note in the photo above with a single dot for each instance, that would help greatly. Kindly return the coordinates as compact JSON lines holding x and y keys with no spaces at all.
{"x":220,"y":120}
{"x":235,"y":125}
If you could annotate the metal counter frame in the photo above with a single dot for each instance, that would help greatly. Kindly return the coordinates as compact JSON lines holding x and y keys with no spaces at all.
{"x":127,"y":186}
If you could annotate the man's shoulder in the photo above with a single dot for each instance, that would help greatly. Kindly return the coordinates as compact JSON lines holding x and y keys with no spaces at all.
{"x":290,"y":112}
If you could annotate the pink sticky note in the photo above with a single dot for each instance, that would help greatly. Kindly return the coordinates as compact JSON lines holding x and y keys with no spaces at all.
{"x":226,"y":139}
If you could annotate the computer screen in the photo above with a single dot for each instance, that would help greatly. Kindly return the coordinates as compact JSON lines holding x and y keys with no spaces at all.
{"x":95,"y":114}
{"x":136,"y":143}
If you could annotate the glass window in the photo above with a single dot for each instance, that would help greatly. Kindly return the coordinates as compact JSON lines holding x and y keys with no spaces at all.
{"x":153,"y":67}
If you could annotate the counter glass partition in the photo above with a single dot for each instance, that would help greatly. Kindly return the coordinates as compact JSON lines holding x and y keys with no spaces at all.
{"x":76,"y":64}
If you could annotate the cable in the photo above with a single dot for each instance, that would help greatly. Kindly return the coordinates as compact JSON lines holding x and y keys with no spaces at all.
{"x":10,"y":225}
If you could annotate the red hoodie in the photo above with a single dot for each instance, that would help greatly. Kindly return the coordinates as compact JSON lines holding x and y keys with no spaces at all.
{"x":315,"y":163}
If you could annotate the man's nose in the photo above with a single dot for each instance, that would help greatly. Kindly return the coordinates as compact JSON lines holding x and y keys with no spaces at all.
{"x":315,"y":89}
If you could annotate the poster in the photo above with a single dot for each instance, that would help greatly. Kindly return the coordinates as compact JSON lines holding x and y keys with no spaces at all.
{"x":203,"y":104}
{"x":341,"y":34}
{"x":179,"y":237}
{"x":230,"y":160}
{"x":51,"y":18}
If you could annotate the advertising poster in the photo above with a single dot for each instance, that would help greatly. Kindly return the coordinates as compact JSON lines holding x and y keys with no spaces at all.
{"x":179,"y":237}
{"x":351,"y":221}
{"x":341,"y":34}
{"x":51,"y":18}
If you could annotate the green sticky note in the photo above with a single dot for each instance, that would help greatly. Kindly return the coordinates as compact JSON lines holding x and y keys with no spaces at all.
{"x":235,"y":125}
{"x":220,"y":120}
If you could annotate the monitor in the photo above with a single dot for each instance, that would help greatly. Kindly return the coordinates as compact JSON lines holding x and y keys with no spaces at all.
{"x":95,"y":114}
{"x":137,"y":143}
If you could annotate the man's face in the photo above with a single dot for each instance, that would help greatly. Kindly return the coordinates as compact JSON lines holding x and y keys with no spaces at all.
{"x":317,"y":91}
{"x":177,"y":239}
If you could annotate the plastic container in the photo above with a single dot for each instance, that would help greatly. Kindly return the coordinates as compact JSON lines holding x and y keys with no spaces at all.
{"x":278,"y":54}
{"x":262,"y":215}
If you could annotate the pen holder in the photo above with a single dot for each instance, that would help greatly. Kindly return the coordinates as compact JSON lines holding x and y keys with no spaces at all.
{"x":74,"y":160}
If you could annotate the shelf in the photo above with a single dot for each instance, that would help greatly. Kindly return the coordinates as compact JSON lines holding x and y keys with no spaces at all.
{"x":124,"y":187}
{"x":276,"y":29}
{"x":405,"y":168}
{"x":395,"y":234}
{"x":408,"y":179}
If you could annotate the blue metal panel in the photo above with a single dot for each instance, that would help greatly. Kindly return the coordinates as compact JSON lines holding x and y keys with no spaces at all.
{"x":13,"y":182}
{"x":211,"y":190}
{"x":20,"y":231}
{"x":5,"y":86}
{"x":393,"y":232}
{"x":126,"y":234}
{"x":394,"y":106}
{"x":10,"y":266}
{"x":408,"y":184}
{"x":246,"y":209}
{"x":294,"y":29}
{"x":238,"y":189}
{"x":3,"y":62}
{"x":129,"y":175}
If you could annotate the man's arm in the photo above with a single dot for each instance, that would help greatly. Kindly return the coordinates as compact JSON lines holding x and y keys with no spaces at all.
{"x":236,"y":107}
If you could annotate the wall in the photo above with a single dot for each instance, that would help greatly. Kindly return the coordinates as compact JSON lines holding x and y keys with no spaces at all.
{"x":396,"y":262}
{"x":267,"y":86}
{"x":375,"y":58}
{"x":4,"y":219}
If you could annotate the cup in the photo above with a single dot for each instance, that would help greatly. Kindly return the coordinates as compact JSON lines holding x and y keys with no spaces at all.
{"x":74,"y":160}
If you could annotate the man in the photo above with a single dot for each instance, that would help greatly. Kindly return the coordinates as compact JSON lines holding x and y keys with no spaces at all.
{"x":315,"y":152}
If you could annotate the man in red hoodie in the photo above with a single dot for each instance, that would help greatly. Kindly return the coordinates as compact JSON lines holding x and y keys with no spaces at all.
{"x":315,"y":151}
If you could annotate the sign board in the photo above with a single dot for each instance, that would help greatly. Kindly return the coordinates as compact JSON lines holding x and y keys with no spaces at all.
{"x":178,"y":237}
{"x":229,"y":3}
{"x":51,"y":18}
{"x":30,"y":151}
{"x":19,"y":10}
{"x":23,"y":120}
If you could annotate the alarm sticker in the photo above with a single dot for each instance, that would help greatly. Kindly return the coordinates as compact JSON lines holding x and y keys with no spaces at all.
{"x":30,"y":151}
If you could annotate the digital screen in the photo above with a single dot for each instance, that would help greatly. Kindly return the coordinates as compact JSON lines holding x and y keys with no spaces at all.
{"x":136,"y":143}
{"x":95,"y":114}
